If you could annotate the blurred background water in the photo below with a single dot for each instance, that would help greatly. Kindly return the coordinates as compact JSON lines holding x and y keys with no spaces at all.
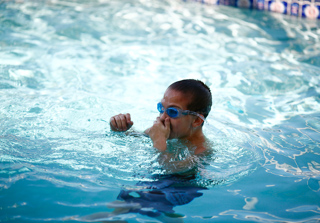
{"x":66,"y":67}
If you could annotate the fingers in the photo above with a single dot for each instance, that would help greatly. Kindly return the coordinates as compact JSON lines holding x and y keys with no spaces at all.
{"x":158,"y":122}
{"x":128,"y":117}
{"x":147,"y":131}
{"x":121,"y":122}
{"x":163,"y":124}
{"x":160,"y":130}
{"x":167,"y":123}
{"x":113,"y":123}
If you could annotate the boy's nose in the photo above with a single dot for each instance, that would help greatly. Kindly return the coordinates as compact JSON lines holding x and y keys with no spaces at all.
{"x":163,"y":116}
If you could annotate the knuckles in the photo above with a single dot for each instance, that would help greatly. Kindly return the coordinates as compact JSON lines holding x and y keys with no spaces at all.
{"x":118,"y":122}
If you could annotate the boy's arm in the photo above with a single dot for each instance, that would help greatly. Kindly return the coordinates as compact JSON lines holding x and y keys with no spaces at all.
{"x":159,"y":133}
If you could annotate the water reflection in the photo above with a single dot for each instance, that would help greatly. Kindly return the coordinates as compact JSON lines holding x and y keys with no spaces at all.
{"x":154,"y":199}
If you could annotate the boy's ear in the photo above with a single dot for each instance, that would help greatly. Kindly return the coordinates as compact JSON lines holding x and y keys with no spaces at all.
{"x":198,"y":121}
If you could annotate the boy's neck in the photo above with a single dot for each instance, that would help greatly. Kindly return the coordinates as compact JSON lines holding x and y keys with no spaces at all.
{"x":197,"y":139}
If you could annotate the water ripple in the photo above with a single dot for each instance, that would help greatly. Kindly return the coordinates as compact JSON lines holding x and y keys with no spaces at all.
{"x":67,"y":66}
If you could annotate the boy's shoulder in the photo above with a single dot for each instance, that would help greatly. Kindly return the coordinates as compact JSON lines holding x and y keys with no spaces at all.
{"x":200,"y":149}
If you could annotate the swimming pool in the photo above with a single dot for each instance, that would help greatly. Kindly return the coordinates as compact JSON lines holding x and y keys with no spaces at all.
{"x":66,"y":67}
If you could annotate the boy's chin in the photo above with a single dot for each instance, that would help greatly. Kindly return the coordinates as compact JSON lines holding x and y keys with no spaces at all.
{"x":173,"y":136}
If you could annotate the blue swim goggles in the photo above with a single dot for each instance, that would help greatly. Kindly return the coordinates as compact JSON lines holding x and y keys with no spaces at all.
{"x":173,"y":112}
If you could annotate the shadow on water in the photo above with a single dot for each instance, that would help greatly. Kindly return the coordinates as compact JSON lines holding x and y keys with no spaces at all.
{"x":155,"y":199}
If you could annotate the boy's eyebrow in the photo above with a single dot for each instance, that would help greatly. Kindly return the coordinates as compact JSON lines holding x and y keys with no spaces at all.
{"x":175,"y":106}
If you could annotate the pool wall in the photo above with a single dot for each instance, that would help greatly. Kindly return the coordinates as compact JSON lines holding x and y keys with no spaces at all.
{"x":299,"y":8}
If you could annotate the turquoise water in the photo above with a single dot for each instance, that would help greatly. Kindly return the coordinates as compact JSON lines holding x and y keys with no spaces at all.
{"x":66,"y":67}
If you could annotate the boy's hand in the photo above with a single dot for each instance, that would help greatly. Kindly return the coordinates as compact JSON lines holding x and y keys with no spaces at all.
{"x":121,"y":122}
{"x":159,"y":133}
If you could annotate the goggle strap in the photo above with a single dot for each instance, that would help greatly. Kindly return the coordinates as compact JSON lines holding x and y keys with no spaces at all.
{"x":196,"y":114}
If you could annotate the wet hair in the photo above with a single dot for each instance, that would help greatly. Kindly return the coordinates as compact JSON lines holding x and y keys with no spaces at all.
{"x":199,"y":93}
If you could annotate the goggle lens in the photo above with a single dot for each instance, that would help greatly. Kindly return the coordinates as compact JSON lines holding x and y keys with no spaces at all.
{"x":160,"y":108}
{"x":172,"y":112}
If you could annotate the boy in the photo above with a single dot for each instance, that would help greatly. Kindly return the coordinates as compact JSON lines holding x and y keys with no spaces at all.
{"x":183,"y":109}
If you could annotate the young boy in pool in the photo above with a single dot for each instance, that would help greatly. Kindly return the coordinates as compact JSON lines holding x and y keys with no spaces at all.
{"x":183,"y":109}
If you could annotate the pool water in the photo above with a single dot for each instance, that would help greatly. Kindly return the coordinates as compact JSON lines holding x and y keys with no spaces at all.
{"x":66,"y":67}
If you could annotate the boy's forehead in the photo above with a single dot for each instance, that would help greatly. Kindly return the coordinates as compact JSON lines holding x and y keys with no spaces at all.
{"x":175,"y":97}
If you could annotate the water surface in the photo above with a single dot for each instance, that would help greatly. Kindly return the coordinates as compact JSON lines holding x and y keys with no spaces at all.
{"x":66,"y":67}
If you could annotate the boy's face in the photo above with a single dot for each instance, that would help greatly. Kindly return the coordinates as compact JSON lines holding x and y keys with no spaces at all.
{"x":180,"y":127}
